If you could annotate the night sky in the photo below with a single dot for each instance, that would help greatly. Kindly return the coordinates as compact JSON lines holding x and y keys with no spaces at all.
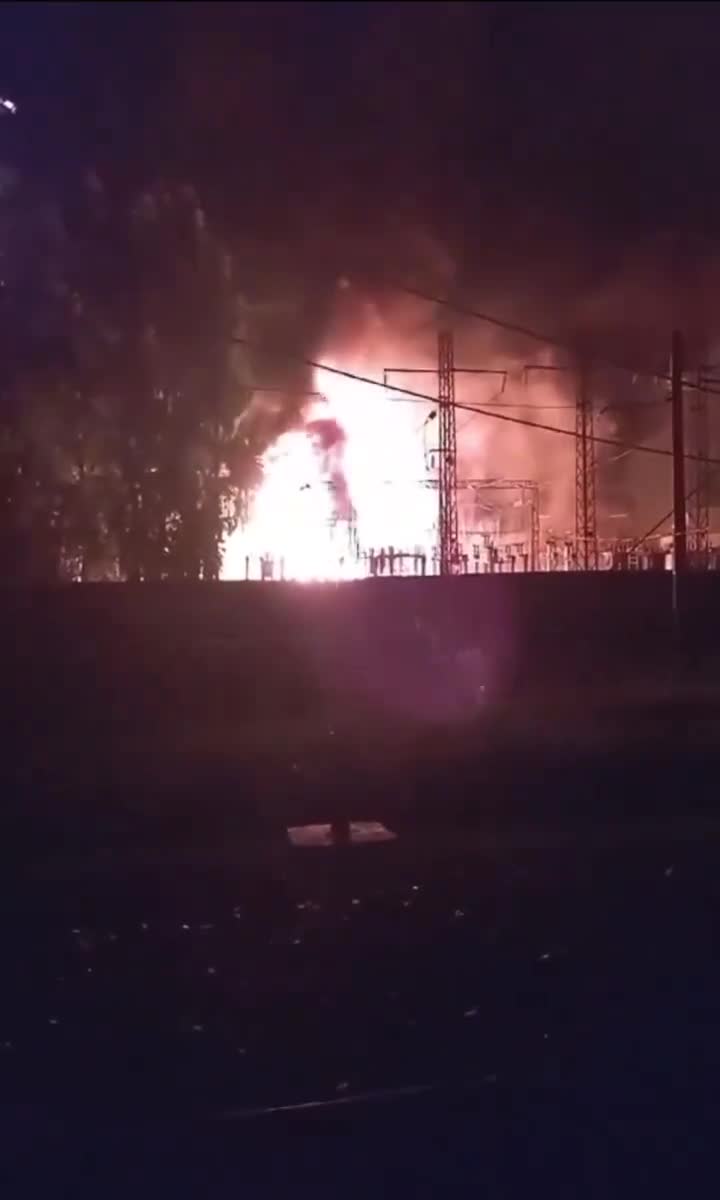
{"x":534,"y":153}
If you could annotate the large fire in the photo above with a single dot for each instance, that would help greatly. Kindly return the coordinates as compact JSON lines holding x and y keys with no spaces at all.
{"x":351,"y":482}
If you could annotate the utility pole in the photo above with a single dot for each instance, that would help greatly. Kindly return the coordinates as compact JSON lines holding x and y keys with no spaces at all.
{"x":586,"y":546}
{"x":678,"y":449}
{"x":447,"y":451}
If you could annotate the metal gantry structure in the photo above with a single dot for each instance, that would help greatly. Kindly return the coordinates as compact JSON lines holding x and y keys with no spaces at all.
{"x":586,"y":542}
{"x":447,"y":483}
{"x":702,"y":472}
{"x":529,"y":491}
{"x":680,"y":542}
{"x":448,"y":536}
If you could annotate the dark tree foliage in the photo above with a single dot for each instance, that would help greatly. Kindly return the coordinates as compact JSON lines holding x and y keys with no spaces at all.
{"x":121,"y":391}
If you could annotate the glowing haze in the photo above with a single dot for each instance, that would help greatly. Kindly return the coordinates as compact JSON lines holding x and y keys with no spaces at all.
{"x":356,"y":474}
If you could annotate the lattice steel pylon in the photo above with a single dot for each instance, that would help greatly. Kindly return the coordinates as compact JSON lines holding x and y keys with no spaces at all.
{"x":586,"y":545}
{"x":447,"y":456}
{"x":701,"y":505}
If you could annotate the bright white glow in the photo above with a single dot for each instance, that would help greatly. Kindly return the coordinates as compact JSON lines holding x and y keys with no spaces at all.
{"x":8,"y":105}
{"x":295,"y":517}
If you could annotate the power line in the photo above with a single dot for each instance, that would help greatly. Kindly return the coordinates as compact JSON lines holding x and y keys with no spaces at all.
{"x":639,"y":541}
{"x":410,"y":394}
{"x":546,"y":339}
{"x":487,"y":318}
{"x":527,"y":404}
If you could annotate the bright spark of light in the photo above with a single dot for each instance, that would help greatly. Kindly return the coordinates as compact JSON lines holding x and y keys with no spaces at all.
{"x":8,"y":105}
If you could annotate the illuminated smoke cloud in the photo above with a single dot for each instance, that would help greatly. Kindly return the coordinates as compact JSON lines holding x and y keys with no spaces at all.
{"x":352,"y":479}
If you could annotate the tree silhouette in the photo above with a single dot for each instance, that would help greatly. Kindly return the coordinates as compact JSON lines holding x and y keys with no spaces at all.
{"x":120,"y":387}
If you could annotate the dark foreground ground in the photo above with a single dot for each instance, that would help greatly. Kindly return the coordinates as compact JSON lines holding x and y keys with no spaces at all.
{"x":492,"y":1021}
{"x":520,"y":992}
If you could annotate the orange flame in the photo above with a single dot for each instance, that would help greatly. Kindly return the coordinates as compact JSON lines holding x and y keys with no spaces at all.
{"x":295,"y":520}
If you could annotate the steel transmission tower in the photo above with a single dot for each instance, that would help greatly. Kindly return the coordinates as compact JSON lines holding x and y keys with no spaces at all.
{"x":447,"y":482}
{"x":586,"y":546}
{"x":447,"y":455}
{"x":678,"y":451}
{"x":701,"y":507}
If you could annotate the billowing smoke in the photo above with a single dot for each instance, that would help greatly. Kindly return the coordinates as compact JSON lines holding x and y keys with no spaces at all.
{"x":620,"y":320}
{"x":394,"y":332}
{"x":328,"y":436}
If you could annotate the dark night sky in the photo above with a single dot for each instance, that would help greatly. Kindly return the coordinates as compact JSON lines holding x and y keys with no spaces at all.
{"x":538,"y":144}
